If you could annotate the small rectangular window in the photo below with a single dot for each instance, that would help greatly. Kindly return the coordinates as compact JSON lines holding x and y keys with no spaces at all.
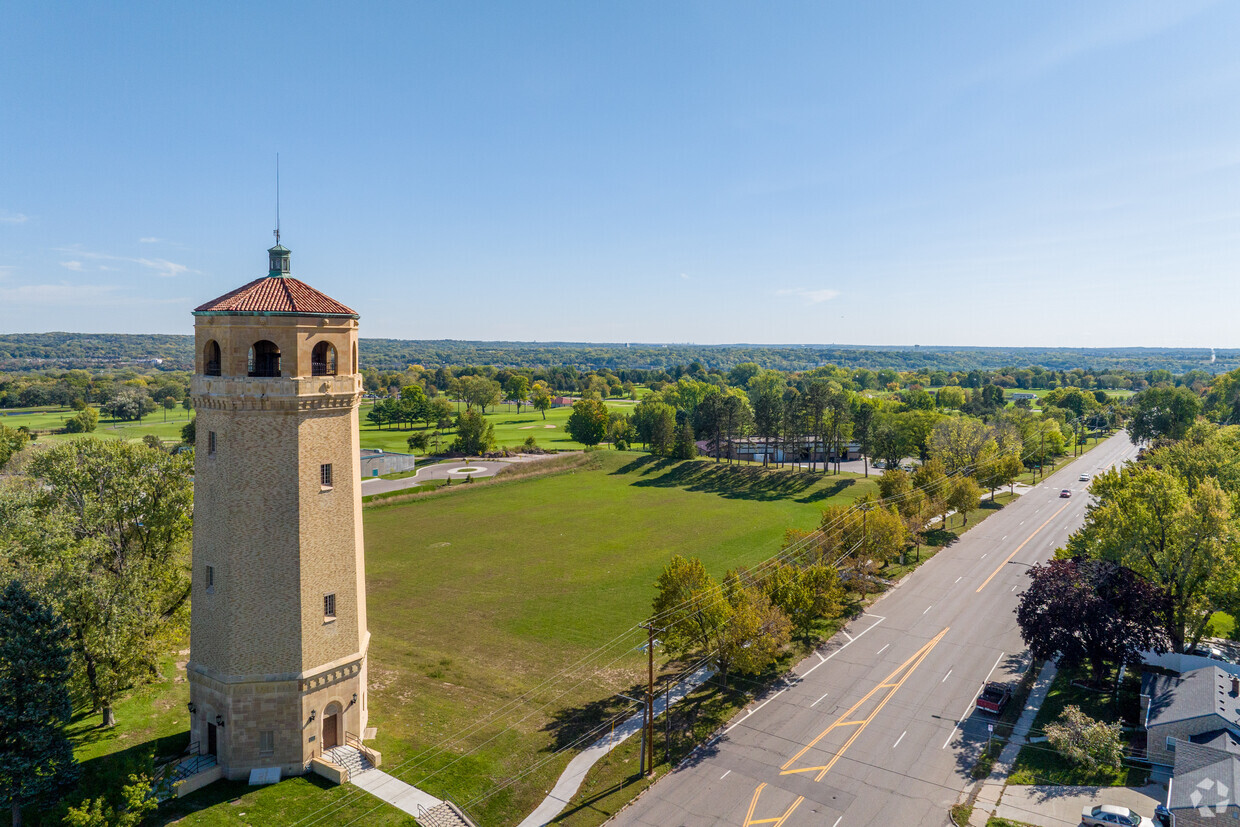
{"x":210,"y":443}
{"x":267,"y":741}
{"x":1170,"y":745}
{"x":210,"y":579}
{"x":329,"y":606}
{"x":325,"y":475}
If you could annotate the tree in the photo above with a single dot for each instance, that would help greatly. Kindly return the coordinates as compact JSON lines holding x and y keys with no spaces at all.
{"x":189,"y":431}
{"x":805,"y":594}
{"x":101,"y":529}
{"x":957,"y":441}
{"x":1092,"y":613}
{"x":655,"y":424}
{"x":480,"y":391}
{"x":889,"y":439}
{"x":688,"y":605}
{"x":964,"y":496}
{"x":931,"y":480}
{"x":129,"y":404}
{"x":35,"y":754}
{"x":12,"y":440}
{"x":756,"y":630}
{"x":894,"y":483}
{"x":1146,"y":519}
{"x":474,"y":434}
{"x":418,"y":442}
{"x":1082,"y":740}
{"x":168,"y":404}
{"x":439,"y":412}
{"x":950,"y":397}
{"x":587,"y":423}
{"x":136,"y":802}
{"x":518,"y":388}
{"x":83,"y":422}
{"x":685,"y":447}
{"x":540,"y":398}
{"x":1162,"y":412}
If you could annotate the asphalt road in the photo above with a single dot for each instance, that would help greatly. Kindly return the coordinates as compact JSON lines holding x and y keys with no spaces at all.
{"x":878,"y":727}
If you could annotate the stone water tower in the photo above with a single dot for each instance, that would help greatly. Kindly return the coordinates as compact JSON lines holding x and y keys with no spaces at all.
{"x":278,"y":637}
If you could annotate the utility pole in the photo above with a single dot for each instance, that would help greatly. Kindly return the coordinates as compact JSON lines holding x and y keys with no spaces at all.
{"x":648,"y":721}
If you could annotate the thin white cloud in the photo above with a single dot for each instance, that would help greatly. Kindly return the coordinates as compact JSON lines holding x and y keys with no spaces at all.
{"x":162,"y":267}
{"x":811,"y":296}
{"x":13,"y":217}
{"x":75,"y":266}
{"x":685,"y":276}
{"x":61,"y":295}
{"x":150,"y":239}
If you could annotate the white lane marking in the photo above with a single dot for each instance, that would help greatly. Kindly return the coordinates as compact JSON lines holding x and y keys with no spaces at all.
{"x":821,"y":659}
{"x":764,"y":703}
{"x":824,"y":694}
{"x":965,"y":714}
{"x":898,"y":740}
{"x":945,"y":677}
{"x":842,"y":648}
{"x":928,"y":608}
{"x":1004,"y":538}
{"x":1013,"y":588}
{"x":958,"y":579}
{"x":725,"y":775}
{"x":880,"y":651}
{"x":1022,"y":522}
{"x":983,"y":557}
{"x":845,"y":634}
{"x":837,"y":822}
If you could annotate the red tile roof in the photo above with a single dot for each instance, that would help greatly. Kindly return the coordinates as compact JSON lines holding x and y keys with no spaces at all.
{"x":276,"y":294}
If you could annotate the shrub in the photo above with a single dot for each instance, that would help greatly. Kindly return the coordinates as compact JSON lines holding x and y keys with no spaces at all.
{"x":1084,"y":741}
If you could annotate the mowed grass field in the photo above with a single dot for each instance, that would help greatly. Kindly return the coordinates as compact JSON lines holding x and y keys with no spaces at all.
{"x":55,"y":418}
{"x":482,"y":595}
{"x":511,"y":428}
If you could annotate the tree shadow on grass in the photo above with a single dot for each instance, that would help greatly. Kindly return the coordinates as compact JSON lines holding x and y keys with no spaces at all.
{"x":742,"y":482}
{"x":576,"y":723}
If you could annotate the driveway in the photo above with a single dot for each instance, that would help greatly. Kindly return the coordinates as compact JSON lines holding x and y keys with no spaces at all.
{"x":457,"y":471}
{"x":1049,"y":806}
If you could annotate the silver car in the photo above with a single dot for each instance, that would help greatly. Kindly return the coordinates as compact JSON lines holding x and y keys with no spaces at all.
{"x":1110,"y":815}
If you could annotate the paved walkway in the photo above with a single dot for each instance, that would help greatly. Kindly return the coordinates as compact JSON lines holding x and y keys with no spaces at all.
{"x":570,"y":780}
{"x":394,"y":791}
{"x":992,"y":788}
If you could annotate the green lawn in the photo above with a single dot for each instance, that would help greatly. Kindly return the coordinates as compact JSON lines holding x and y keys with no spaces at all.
{"x":54,"y":418}
{"x":1040,"y":764}
{"x":487,"y":599}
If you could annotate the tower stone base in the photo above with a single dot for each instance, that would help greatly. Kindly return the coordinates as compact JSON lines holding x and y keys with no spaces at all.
{"x":303,"y":714}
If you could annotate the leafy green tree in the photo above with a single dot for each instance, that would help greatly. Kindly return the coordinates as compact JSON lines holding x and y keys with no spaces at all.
{"x":890,"y":439}
{"x":756,"y":630}
{"x":101,"y":528}
{"x":83,"y":422}
{"x":957,"y":441}
{"x":1146,"y":519}
{"x":894,"y":483}
{"x":685,"y":447}
{"x":963,"y":496}
{"x":168,"y":403}
{"x":1162,"y":412}
{"x":418,"y":442}
{"x":439,"y":412}
{"x":518,"y":389}
{"x":688,"y":605}
{"x":189,"y":431}
{"x":480,"y":391}
{"x":587,"y":423}
{"x":655,"y":424}
{"x":35,"y":755}
{"x":805,"y":595}
{"x":12,"y":440}
{"x":1085,"y":741}
{"x":134,"y":805}
{"x":950,"y":397}
{"x":540,"y":398}
{"x":129,"y":404}
{"x":474,"y":434}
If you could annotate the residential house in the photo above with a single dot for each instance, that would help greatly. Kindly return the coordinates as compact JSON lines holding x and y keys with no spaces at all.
{"x":1200,"y":707}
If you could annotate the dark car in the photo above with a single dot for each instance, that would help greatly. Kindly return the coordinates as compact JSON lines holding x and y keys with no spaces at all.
{"x":1065,"y":493}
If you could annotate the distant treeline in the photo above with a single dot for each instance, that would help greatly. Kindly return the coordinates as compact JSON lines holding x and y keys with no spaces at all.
{"x":27,"y":351}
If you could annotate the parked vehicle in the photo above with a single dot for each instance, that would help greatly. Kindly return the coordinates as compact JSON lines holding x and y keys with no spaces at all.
{"x":994,"y":697}
{"x":1111,"y":815}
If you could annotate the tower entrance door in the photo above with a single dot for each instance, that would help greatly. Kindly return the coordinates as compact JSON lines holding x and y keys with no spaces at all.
{"x":211,"y":746}
{"x":331,"y":737}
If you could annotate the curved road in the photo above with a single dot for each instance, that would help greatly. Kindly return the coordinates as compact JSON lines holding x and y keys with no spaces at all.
{"x":878,"y":727}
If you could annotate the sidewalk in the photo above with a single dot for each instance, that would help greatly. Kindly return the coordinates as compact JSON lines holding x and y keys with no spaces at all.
{"x":987,"y":803}
{"x":570,"y":780}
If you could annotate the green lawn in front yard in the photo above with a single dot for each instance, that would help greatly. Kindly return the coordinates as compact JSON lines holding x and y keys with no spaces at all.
{"x":1039,"y":763}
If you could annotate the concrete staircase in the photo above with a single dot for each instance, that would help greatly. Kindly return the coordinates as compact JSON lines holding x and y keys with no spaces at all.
{"x":350,"y":758}
{"x":444,"y":815}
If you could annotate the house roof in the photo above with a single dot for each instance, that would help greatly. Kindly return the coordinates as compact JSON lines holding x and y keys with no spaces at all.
{"x":1204,"y":778}
{"x":275,"y":295}
{"x":1194,"y":694}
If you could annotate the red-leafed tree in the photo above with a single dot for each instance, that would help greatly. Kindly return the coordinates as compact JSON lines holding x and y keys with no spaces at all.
{"x":1092,"y":612}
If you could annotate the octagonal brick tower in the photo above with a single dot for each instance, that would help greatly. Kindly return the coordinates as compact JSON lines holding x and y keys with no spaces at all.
{"x":278,"y":637}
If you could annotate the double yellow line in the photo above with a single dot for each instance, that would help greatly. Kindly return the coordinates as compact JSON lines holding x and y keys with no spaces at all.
{"x":891,"y":684}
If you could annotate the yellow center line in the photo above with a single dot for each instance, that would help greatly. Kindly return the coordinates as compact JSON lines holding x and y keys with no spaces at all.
{"x":1022,"y":545}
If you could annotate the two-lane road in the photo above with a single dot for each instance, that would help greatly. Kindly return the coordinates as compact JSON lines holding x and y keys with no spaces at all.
{"x":878,"y":728}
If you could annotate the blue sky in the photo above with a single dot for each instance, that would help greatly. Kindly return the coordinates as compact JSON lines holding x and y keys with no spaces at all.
{"x":1057,"y":174}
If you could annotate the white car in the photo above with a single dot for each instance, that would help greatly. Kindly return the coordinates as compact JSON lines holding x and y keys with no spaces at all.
{"x":1084,"y":478}
{"x":1110,"y":815}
